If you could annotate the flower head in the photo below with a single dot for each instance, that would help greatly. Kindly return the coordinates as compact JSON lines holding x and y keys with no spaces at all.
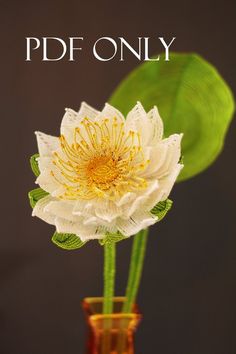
{"x":105,"y":173}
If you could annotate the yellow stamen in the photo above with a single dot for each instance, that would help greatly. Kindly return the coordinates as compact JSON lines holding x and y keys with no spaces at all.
{"x":103,"y":161}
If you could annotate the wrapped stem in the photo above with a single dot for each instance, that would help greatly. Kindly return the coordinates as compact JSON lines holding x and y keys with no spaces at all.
{"x":135,"y":269}
{"x":109,"y":276}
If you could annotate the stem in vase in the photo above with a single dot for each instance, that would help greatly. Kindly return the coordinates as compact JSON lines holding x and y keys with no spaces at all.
{"x":109,"y":276}
{"x":135,"y":269}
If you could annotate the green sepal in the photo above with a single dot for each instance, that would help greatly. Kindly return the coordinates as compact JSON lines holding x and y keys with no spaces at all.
{"x":35,"y":195}
{"x":162,"y":208}
{"x":67,"y":241}
{"x":34,"y":165}
{"x":111,"y":238}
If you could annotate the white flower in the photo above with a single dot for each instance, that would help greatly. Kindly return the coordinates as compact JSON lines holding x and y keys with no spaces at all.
{"x":105,"y":172}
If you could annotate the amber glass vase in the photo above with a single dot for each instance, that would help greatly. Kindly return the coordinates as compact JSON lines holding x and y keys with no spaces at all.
{"x":110,"y":334}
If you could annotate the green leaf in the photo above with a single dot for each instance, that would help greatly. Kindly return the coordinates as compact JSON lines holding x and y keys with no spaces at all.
{"x":162,"y":208}
{"x":35,"y":195}
{"x":67,"y":241}
{"x":192,"y":98}
{"x":111,"y":238}
{"x":34,"y":164}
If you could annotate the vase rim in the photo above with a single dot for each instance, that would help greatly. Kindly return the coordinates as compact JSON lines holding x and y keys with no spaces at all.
{"x":93,"y":299}
{"x":88,"y":301}
{"x":115,"y":316}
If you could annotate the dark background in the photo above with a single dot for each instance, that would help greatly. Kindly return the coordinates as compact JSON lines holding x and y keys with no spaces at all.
{"x":188,"y":289}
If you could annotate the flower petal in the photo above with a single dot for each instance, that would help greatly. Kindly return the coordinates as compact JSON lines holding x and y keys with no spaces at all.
{"x":40,"y":212}
{"x":84,"y":232}
{"x":104,"y":211}
{"x":84,"y":207}
{"x":46,"y":181}
{"x":70,"y":121}
{"x":155,"y":197}
{"x":125,"y":199}
{"x":45,"y":163}
{"x":137,"y":115}
{"x":66,"y":226}
{"x":137,"y":120}
{"x":87,"y":111}
{"x":156,"y":126}
{"x":108,"y":212}
{"x":140,"y":200}
{"x":140,"y":220}
{"x":165,"y":186}
{"x":172,"y":156}
{"x":63,"y":209}
{"x":149,"y":124}
{"x":110,"y":113}
{"x":47,"y":144}
{"x":167,"y":183}
{"x":157,"y":157}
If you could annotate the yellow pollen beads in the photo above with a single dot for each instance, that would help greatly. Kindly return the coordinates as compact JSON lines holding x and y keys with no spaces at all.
{"x":101,"y":159}
{"x":102,"y":171}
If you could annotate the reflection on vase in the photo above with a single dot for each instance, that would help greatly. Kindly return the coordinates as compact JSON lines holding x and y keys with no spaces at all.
{"x":110,"y":334}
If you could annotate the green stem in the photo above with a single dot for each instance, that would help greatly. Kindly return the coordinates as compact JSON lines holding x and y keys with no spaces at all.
{"x":109,"y":276}
{"x":135,"y":269}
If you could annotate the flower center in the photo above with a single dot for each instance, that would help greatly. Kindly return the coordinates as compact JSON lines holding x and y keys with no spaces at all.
{"x":103,"y":160}
{"x":102,"y":171}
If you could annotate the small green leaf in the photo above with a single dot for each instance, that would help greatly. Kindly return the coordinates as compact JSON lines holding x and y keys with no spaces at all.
{"x":67,"y":241}
{"x":35,"y":195}
{"x":192,"y":98}
{"x":34,"y":164}
{"x":111,"y":238}
{"x":161,"y":209}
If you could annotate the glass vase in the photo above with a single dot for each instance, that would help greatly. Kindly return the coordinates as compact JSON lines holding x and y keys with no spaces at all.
{"x":113,"y":333}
